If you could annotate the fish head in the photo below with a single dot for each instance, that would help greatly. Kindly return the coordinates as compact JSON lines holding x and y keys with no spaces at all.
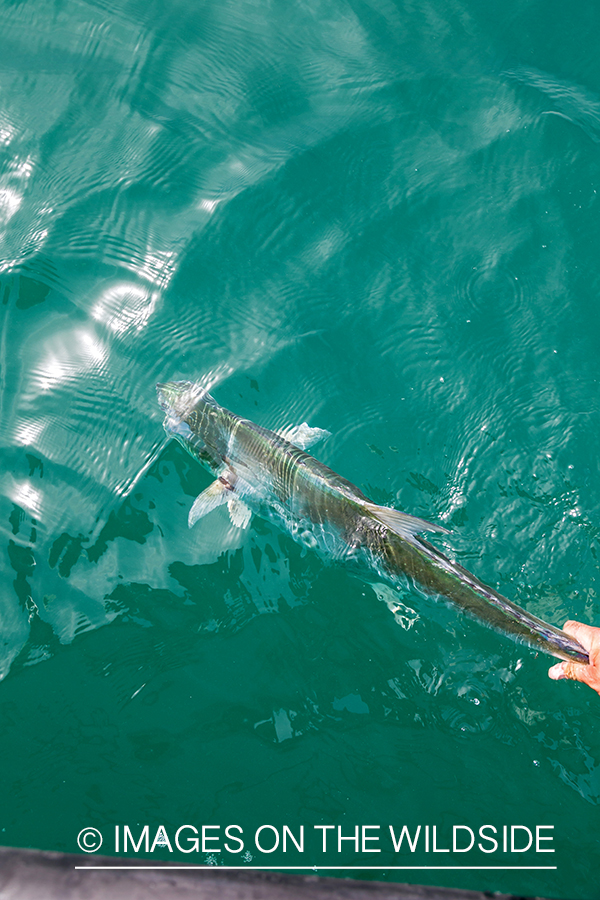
{"x":178,"y":398}
{"x":191,"y":416}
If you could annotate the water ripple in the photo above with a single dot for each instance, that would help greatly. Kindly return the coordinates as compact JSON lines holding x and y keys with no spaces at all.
{"x":326,"y":213}
{"x":488,"y":286}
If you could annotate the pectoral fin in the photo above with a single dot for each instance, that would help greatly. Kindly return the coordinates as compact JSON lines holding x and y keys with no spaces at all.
{"x":239,"y":513}
{"x":303,"y":436}
{"x":214,"y":495}
{"x":402,"y":524}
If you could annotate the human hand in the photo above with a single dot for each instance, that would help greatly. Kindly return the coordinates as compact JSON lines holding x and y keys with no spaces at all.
{"x":588,"y":637}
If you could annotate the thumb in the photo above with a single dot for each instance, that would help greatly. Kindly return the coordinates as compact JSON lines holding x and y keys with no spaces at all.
{"x":566,"y":670}
{"x":576,"y":672}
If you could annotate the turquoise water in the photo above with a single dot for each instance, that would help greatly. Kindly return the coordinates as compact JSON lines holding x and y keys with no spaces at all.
{"x":380,"y":218}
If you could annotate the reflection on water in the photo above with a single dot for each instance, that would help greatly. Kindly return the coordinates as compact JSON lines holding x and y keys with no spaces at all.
{"x":573,"y":102}
{"x":125,"y":308}
{"x":345,"y":214}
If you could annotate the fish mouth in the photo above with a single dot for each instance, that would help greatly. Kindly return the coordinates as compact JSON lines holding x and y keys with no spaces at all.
{"x":162,"y":400}
{"x":165,"y":395}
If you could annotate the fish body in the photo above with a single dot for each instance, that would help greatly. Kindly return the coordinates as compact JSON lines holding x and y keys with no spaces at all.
{"x":270,"y":473}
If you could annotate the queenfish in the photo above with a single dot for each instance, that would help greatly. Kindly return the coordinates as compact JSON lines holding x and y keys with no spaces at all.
{"x":271,"y":474}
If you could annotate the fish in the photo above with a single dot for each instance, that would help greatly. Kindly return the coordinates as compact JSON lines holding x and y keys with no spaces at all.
{"x":270,"y":474}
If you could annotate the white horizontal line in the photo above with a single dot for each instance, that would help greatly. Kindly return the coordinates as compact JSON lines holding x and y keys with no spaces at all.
{"x":335,"y":868}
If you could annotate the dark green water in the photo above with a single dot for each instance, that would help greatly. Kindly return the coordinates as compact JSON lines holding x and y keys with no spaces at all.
{"x":378,"y":217}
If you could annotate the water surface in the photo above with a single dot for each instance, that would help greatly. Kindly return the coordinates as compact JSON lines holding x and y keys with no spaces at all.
{"x":378,"y":217}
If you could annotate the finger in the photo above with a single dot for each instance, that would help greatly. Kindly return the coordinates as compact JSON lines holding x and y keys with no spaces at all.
{"x":557,"y":673}
{"x":571,"y":670}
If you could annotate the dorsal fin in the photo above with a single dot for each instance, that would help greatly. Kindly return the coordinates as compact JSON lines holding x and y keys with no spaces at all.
{"x":401,"y":523}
